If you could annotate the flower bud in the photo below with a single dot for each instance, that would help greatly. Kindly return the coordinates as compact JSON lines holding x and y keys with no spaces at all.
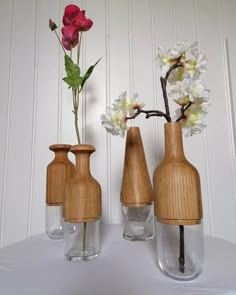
{"x":52,"y":25}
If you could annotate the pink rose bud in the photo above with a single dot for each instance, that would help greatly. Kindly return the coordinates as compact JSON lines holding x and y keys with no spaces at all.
{"x":70,"y":37}
{"x":70,"y":12}
{"x":52,"y":25}
{"x":81,"y":22}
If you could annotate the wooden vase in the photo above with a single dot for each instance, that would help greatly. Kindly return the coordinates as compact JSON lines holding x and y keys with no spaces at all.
{"x":177,"y":190}
{"x":82,"y":193}
{"x":59,"y":171}
{"x":136,"y":188}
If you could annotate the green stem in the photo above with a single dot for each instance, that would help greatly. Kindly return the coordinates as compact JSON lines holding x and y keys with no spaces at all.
{"x":75,"y":93}
{"x":60,"y":41}
{"x":78,"y":48}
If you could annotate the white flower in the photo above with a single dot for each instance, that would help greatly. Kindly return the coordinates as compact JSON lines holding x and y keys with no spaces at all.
{"x":115,"y":118}
{"x":114,"y":122}
{"x":195,"y":65}
{"x":128,"y":105}
{"x":197,"y":91}
{"x":189,"y":90}
{"x":166,"y":58}
{"x":194,"y":121}
{"x":182,"y":48}
{"x":179,"y":92}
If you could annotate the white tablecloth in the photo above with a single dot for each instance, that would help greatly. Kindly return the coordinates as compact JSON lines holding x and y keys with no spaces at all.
{"x":36,"y":266}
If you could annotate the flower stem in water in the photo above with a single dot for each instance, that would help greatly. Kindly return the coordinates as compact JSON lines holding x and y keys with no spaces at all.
{"x":181,"y":249}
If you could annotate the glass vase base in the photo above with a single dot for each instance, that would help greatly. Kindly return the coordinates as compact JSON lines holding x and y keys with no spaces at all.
{"x":176,"y":274}
{"x":82,"y":256}
{"x":137,"y":238}
{"x":56,"y":234}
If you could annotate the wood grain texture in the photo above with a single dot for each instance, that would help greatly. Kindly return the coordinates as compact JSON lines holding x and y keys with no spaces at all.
{"x":59,"y":171}
{"x":136,"y":188}
{"x":82,"y":193}
{"x":177,"y":187}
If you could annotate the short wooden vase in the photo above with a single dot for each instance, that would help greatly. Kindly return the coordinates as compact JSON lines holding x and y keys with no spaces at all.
{"x":136,"y":190}
{"x":82,"y":209}
{"x":178,"y":210}
{"x":59,"y":171}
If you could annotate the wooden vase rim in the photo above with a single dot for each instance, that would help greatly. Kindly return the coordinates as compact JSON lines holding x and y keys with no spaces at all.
{"x":133,"y":128}
{"x":173,"y":123}
{"x":82,"y":148}
{"x":59,"y":146}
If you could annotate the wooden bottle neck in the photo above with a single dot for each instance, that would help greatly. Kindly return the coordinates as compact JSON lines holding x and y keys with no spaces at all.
{"x":82,"y":167}
{"x":173,"y":141}
{"x":82,"y":154}
{"x":61,"y":155}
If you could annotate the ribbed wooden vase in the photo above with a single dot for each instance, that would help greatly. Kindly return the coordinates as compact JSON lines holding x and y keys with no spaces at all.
{"x":136,"y":188}
{"x":82,"y":193}
{"x":177,"y":190}
{"x":59,"y":171}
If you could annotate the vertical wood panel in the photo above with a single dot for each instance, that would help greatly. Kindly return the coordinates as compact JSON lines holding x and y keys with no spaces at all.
{"x":7,"y":21}
{"x":143,"y":59}
{"x":164,"y":35}
{"x":48,"y":107}
{"x":95,"y":99}
{"x":34,"y":111}
{"x":218,"y":134}
{"x":20,"y":129}
{"x":119,"y":82}
{"x":187,"y":29}
{"x":227,"y":32}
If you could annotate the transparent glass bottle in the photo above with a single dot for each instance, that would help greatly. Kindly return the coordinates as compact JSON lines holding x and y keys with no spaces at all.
{"x":180,"y":250}
{"x":82,"y":209}
{"x":82,"y":240}
{"x":54,"y":222}
{"x":178,"y":210}
{"x":138,"y":224}
{"x":59,"y":171}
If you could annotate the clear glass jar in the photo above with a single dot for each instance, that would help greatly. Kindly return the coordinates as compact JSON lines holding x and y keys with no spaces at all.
{"x":138,"y":224}
{"x":54,"y":222}
{"x":180,"y":250}
{"x":82,"y":241}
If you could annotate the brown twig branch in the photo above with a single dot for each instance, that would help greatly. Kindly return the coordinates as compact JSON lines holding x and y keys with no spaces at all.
{"x":181,"y":249}
{"x":183,"y":110}
{"x":148,"y":113}
{"x":164,"y":91}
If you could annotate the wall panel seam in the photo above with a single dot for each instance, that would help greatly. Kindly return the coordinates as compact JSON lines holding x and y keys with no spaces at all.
{"x":174,"y":20}
{"x":206,"y":153}
{"x":108,"y":136}
{"x":84,"y":90}
{"x":154,"y":75}
{"x":59,"y":106}
{"x":8,"y":125}
{"x":32,"y":157}
{"x":130,"y":50}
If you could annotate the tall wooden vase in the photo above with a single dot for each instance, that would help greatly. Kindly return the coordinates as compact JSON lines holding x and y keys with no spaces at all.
{"x":82,"y":209}
{"x":136,"y":190}
{"x":178,"y":210}
{"x":59,"y":171}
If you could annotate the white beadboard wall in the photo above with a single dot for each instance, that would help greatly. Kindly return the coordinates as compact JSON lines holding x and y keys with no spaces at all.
{"x":35,"y":105}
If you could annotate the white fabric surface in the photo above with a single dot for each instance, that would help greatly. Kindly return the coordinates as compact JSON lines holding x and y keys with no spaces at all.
{"x":36,"y":266}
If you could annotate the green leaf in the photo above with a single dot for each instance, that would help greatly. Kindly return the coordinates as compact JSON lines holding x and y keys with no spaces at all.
{"x":73,"y":78}
{"x":88,"y":73}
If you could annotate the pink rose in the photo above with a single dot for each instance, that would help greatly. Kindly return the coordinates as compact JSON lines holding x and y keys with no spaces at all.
{"x":70,"y":12}
{"x":70,"y":37}
{"x":81,"y":22}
